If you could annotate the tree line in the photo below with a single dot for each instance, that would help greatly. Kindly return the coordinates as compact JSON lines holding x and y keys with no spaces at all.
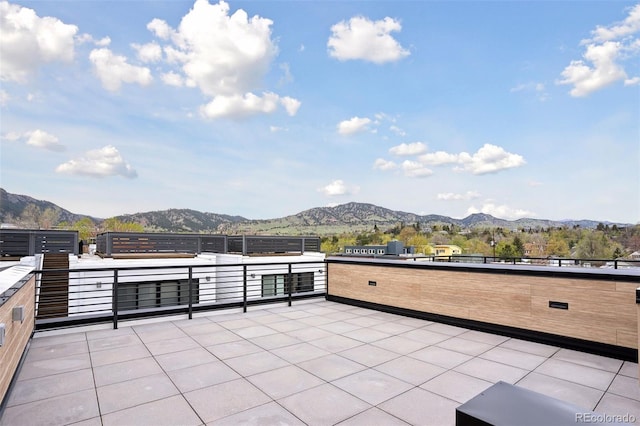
{"x":33,"y":217}
{"x":603,"y":242}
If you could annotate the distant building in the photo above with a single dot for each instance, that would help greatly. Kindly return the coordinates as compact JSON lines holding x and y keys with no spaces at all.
{"x":535,"y":249}
{"x":446,"y":250}
{"x":393,"y":248}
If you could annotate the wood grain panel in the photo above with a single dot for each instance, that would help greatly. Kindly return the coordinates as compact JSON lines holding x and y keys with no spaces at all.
{"x":17,"y":334}
{"x":600,"y":309}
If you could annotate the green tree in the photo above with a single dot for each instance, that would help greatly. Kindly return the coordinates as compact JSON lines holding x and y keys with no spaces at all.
{"x":115,"y":225}
{"x":330,"y":245}
{"x":518,"y":246}
{"x":406,"y":234}
{"x":593,"y":245}
{"x":505,"y":250}
{"x":477,"y":246}
{"x":85,"y":227}
{"x":557,"y":246}
{"x":420,"y":242}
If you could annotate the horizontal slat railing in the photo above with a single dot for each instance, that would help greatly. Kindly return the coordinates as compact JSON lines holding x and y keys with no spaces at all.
{"x":537,"y":261}
{"x":95,"y":295}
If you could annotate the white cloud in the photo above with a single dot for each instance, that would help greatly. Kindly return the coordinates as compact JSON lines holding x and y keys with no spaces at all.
{"x":287,"y":77}
{"x":42,"y":139}
{"x":502,"y":212}
{"x":11,"y":136}
{"x":538,"y":89}
{"x":414,"y":148}
{"x":275,"y":129}
{"x":29,"y":41}
{"x":172,"y":79}
{"x":36,"y":138}
{"x":353,"y":125}
{"x":160,"y":28}
{"x":291,"y":105}
{"x":361,"y":38}
{"x":605,"y":70}
{"x":629,"y":26}
{"x":113,"y":70}
{"x":103,"y":162}
{"x":415,"y":169}
{"x":88,"y":38}
{"x":384,"y":165}
{"x":237,"y":106}
{"x":603,"y":60}
{"x":4,"y":98}
{"x":398,"y":131}
{"x":632,"y":81}
{"x":338,"y":187}
{"x":150,"y":52}
{"x":450,"y":196}
{"x":225,"y":56}
{"x":490,"y":159}
{"x":438,"y":158}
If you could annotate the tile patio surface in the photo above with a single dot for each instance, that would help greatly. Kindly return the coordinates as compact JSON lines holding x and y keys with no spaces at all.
{"x":315,"y":363}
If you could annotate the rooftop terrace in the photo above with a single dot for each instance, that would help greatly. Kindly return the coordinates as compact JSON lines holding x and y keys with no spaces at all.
{"x":316,"y":362}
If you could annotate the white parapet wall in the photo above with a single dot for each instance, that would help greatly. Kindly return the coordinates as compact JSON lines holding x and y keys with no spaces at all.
{"x":219,"y":276}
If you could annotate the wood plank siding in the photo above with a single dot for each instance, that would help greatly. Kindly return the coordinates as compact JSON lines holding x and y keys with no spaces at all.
{"x":600,"y":308}
{"x":17,"y":334}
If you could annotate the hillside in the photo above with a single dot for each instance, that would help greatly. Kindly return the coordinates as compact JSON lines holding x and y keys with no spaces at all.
{"x":13,"y":205}
{"x":182,"y":220}
{"x":349,"y":217}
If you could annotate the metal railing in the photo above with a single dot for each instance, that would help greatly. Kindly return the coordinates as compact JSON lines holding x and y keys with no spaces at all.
{"x":68,"y":297}
{"x":540,"y":261}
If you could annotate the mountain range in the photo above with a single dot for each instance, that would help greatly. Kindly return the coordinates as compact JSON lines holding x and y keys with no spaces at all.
{"x":316,"y":221}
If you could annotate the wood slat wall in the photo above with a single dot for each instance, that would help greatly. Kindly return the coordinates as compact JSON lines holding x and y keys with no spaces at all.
{"x":17,"y":334}
{"x":600,"y":310}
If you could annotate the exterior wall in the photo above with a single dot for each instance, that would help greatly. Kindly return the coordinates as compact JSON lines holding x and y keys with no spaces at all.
{"x":97,"y":286}
{"x":446,"y":250}
{"x":219,"y":276}
{"x":17,"y":334}
{"x":254,"y":284}
{"x":600,"y":309}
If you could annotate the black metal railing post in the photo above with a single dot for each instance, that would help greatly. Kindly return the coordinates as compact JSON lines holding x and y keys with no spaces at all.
{"x":114,"y":299}
{"x":290,"y":283}
{"x":244,"y":288}
{"x":190,"y":292}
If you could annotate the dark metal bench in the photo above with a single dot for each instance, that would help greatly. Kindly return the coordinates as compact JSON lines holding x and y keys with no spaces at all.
{"x":509,"y":405}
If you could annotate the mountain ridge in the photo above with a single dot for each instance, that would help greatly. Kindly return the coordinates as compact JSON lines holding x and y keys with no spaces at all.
{"x":351,"y":216}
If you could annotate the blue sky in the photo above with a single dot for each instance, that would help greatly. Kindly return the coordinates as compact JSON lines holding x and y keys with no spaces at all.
{"x":264,"y":109}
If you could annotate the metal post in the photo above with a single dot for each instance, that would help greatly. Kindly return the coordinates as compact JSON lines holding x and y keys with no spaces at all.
{"x":244,"y":288}
{"x":190,"y":292}
{"x":326,"y":280}
{"x":114,"y":299}
{"x":290,"y":283}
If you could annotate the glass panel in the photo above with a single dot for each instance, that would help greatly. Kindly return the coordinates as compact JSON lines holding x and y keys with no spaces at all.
{"x":146,"y":295}
{"x":169,"y":295}
{"x":268,"y":285}
{"x":127,"y":297}
{"x":280,"y":284}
